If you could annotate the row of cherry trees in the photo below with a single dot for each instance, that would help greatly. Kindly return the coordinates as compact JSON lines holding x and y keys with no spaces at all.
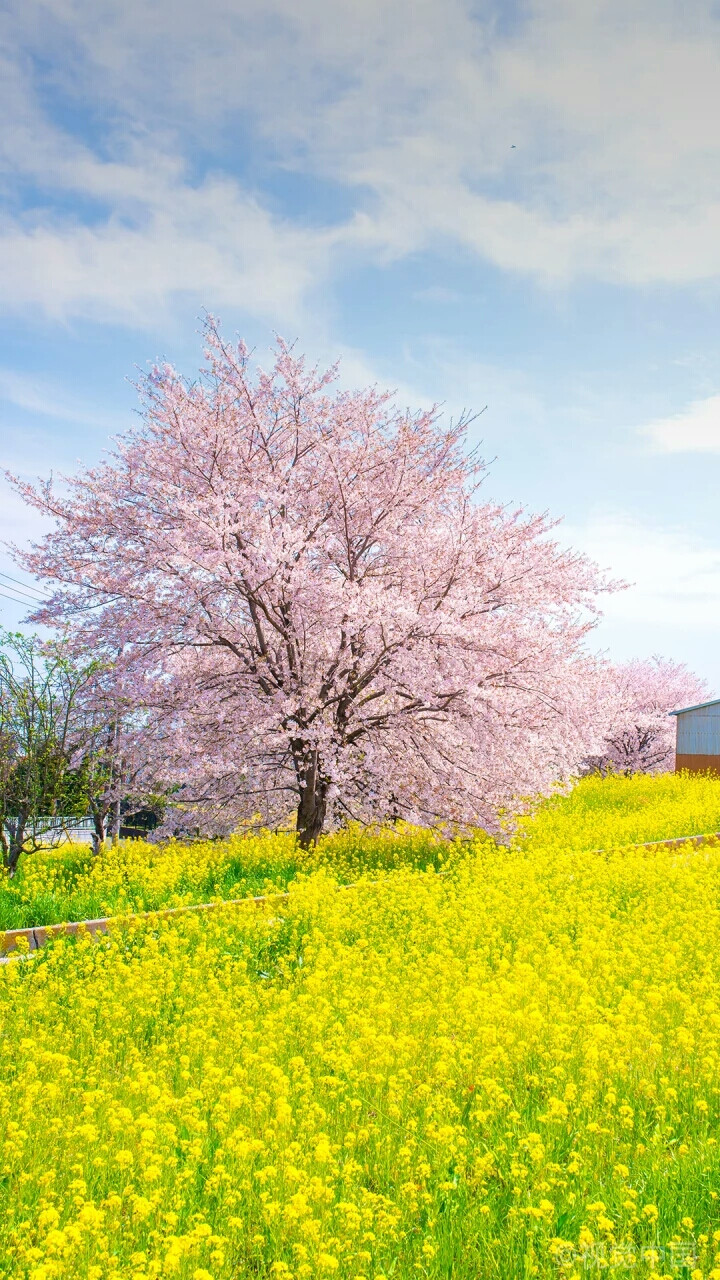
{"x":308,"y":603}
{"x":637,"y":733}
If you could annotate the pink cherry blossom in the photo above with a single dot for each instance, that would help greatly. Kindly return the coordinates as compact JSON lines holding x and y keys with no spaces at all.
{"x":637,"y":697}
{"x":323,"y":612}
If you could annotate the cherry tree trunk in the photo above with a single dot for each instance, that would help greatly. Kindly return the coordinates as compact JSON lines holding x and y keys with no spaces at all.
{"x":16,"y":843}
{"x":99,"y":828}
{"x":312,"y":806}
{"x":13,"y":858}
{"x":310,"y":818}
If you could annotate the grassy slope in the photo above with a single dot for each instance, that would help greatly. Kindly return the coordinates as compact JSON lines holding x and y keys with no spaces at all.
{"x":509,"y":1071}
{"x":68,"y":884}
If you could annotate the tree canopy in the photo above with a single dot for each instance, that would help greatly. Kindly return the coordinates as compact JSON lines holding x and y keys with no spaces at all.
{"x":311,"y":590}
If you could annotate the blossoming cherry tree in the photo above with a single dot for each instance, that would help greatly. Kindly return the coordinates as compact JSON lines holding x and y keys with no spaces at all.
{"x":326,"y":612}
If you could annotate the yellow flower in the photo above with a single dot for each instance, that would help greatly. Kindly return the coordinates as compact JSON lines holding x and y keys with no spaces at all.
{"x":202,"y":1075}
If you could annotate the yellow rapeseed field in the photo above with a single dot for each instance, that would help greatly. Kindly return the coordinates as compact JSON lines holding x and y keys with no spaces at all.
{"x":601,"y":812}
{"x":510,"y":1069}
{"x":68,"y":883}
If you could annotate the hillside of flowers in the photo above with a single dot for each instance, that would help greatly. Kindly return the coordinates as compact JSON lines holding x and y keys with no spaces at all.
{"x":617,"y":810}
{"x":69,"y":883}
{"x":510,"y":1069}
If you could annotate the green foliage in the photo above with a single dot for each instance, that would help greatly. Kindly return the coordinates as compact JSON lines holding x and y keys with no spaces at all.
{"x":38,"y":688}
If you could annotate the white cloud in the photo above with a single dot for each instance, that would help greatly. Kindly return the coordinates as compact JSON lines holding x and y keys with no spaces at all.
{"x":674,"y":577}
{"x":411,"y":107}
{"x":211,"y":242}
{"x":695,"y":430}
{"x":672,"y":606}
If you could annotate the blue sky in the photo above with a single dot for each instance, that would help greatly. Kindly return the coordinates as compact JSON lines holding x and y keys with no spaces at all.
{"x":512,"y":205}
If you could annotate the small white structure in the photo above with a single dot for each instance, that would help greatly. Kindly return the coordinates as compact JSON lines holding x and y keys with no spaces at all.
{"x":51,"y":831}
{"x":697,"y":741}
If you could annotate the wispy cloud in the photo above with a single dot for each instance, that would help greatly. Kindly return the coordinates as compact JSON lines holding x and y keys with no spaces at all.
{"x":674,"y":577}
{"x":547,"y":143}
{"x":42,"y":396}
{"x":210,"y":242}
{"x":695,"y":430}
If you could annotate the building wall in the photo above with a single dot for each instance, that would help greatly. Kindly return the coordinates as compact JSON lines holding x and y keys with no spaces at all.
{"x":697,"y":763}
{"x":698,"y":732}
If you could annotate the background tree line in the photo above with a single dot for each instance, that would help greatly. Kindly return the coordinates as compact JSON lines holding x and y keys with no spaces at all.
{"x":70,"y":748}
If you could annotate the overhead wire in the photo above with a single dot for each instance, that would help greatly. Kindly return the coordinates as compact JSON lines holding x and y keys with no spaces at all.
{"x":19,"y":598}
{"x":23,"y":589}
{"x":20,"y":594}
{"x":16,"y":599}
{"x":27,"y":586}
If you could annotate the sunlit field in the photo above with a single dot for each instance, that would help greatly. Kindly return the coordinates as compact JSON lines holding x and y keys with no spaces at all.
{"x":67,"y":883}
{"x":511,"y":1069}
{"x":602,"y":812}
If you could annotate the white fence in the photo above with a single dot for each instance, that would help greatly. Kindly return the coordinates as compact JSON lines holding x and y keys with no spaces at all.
{"x":58,"y":830}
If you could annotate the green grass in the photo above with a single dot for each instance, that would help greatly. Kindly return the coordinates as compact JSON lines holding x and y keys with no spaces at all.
{"x":67,"y":883}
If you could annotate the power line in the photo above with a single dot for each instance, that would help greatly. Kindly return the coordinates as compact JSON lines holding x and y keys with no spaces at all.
{"x":19,"y":597}
{"x":27,"y":586}
{"x":86,"y":586}
{"x":25,"y":598}
{"x":17,"y":600}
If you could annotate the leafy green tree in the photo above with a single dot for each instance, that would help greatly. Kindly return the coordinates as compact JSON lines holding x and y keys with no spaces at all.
{"x":40,"y":789}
